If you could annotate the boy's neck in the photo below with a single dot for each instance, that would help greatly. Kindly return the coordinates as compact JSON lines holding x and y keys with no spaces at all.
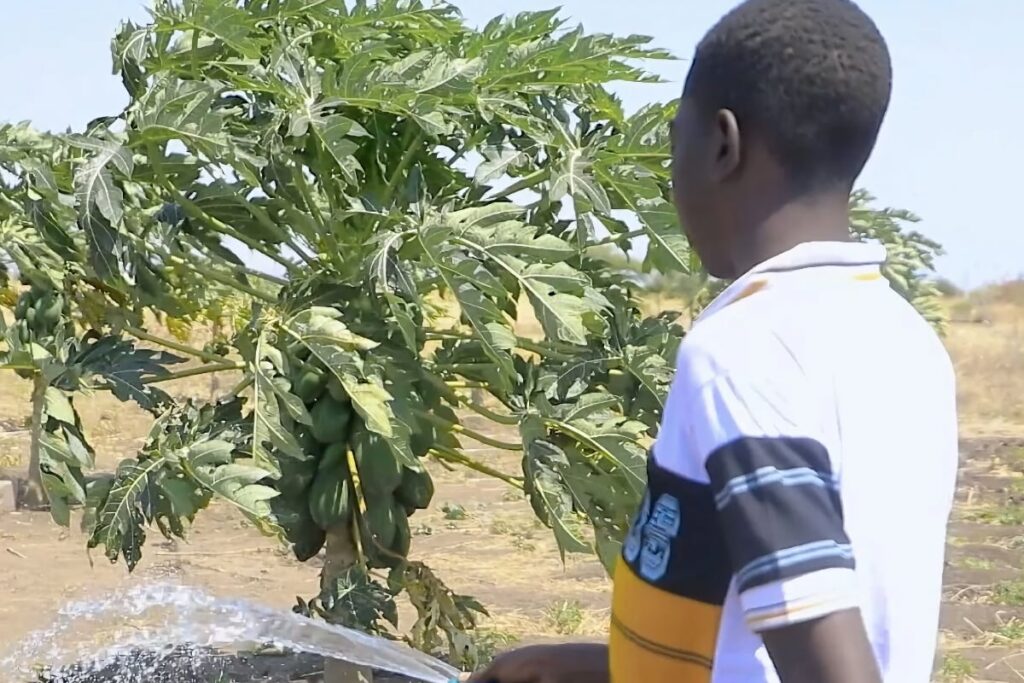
{"x":822,"y":218}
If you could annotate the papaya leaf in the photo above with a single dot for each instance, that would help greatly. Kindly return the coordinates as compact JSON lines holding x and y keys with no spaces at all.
{"x":266,"y":414}
{"x":544,"y":464}
{"x":117,"y":365}
{"x":237,"y":484}
{"x":640,"y":193}
{"x":120,"y":519}
{"x":469,"y":284}
{"x":314,"y":327}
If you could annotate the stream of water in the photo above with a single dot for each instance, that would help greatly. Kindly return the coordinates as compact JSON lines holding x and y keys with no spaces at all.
{"x":162,"y":617}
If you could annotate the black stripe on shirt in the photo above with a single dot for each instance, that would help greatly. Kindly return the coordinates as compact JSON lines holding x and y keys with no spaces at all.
{"x":779,"y":508}
{"x":675,"y":543}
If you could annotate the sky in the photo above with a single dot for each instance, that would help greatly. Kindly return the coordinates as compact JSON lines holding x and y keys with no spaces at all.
{"x":949,"y":149}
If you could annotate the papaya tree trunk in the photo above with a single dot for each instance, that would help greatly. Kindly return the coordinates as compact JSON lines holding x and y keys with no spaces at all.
{"x":341,"y":554}
{"x":33,"y":495}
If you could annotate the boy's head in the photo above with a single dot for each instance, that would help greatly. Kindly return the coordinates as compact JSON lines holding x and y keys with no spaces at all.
{"x":783,"y":103}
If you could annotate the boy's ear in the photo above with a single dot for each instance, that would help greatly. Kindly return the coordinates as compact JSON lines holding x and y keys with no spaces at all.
{"x":728,"y":146}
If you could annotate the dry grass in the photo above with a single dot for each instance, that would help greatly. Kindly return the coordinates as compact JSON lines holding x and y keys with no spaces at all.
{"x":989,"y":359}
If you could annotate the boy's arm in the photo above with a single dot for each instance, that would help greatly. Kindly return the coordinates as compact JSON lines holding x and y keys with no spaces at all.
{"x":832,"y":649}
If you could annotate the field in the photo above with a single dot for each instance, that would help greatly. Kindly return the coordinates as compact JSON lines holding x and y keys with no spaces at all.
{"x":482,"y":538}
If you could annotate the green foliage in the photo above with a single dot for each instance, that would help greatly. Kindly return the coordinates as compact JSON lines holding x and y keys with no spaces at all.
{"x":956,"y":668}
{"x":372,"y":152}
{"x":911,"y":254}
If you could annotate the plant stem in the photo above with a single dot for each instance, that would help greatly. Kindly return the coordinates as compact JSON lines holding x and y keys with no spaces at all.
{"x":541,"y":349}
{"x":509,"y":420}
{"x":556,"y":350}
{"x":402,"y":167}
{"x":117,"y":296}
{"x":476,"y":436}
{"x":299,"y":251}
{"x":532,"y":180}
{"x":224,"y":280}
{"x":307,"y":198}
{"x":175,"y":346}
{"x":446,"y":389}
{"x":335,"y":255}
{"x":195,"y":212}
{"x":195,"y":53}
{"x":612,"y":239}
{"x":466,"y":385}
{"x":449,"y":455}
{"x":341,"y":554}
{"x":193,"y":372}
{"x":273,"y":279}
{"x":241,"y":386}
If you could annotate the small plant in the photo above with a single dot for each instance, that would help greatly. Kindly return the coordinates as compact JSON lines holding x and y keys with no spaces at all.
{"x":454,"y":512}
{"x":500,"y":527}
{"x":1009,"y":593}
{"x":956,"y":668}
{"x":1011,"y":631}
{"x":565,"y":617}
{"x":489,"y":643}
{"x":1004,"y":515}
{"x":523,"y":544}
{"x":979,"y":563}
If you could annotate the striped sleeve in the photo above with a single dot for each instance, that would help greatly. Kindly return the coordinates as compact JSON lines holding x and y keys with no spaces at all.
{"x":777,"y":499}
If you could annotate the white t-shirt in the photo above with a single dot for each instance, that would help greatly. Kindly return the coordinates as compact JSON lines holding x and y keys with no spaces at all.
{"x":805,"y":464}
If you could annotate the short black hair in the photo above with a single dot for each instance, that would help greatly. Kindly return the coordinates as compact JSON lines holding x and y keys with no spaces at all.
{"x":812,"y":78}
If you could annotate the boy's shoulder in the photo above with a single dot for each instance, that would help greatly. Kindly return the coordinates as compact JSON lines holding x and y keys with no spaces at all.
{"x":741,"y":341}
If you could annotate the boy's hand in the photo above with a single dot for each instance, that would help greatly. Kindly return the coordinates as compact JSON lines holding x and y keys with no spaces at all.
{"x":575,"y":663}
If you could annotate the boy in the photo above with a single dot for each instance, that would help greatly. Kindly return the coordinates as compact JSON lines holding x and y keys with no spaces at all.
{"x":798,"y":495}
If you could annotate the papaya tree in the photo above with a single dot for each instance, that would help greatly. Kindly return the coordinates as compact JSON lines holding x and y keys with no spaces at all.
{"x":393,"y":166}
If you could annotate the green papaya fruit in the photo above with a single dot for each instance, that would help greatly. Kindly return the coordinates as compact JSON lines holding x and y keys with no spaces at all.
{"x":309,"y":544}
{"x":22,"y":306}
{"x":296,"y":475}
{"x":335,"y":456}
{"x":330,"y":496}
{"x":310,"y":446}
{"x":306,"y":537}
{"x":49,"y":311}
{"x":336,"y":390}
{"x":422,"y":440}
{"x":416,"y":489}
{"x":331,"y":420}
{"x":380,"y":520}
{"x":394,"y":554}
{"x":379,"y":472}
{"x":620,"y":384}
{"x":24,"y":333}
{"x":403,"y":540}
{"x":297,"y":351}
{"x":308,"y":382}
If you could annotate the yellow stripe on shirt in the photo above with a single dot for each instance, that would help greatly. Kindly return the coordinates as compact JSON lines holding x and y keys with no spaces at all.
{"x":659,"y":636}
